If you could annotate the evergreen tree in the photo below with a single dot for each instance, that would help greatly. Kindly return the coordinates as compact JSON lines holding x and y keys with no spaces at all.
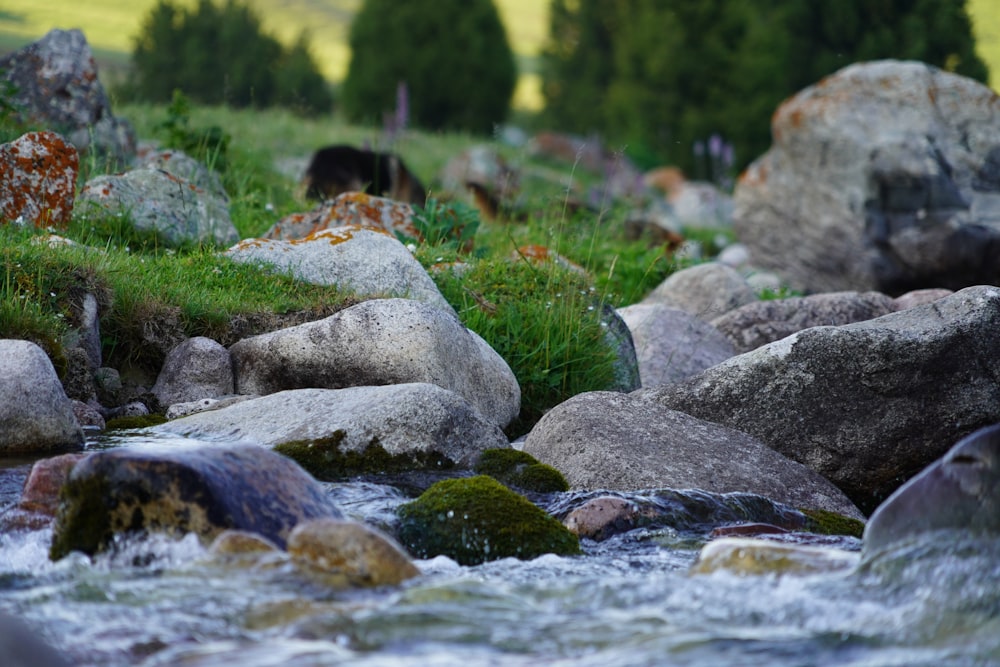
{"x":452,"y":56}
{"x":219,"y":54}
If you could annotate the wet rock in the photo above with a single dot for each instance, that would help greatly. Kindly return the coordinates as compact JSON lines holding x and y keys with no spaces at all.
{"x":960,"y":491}
{"x":21,"y":646}
{"x":705,"y":290}
{"x":748,"y":556}
{"x":350,"y":209}
{"x":368,"y":262}
{"x":156,"y":201}
{"x":35,"y":416}
{"x":241,"y":543}
{"x":755,"y":324}
{"x":477,"y":519}
{"x":58,"y":88}
{"x":672,"y":344}
{"x":178,"y":410}
{"x":197,"y":368}
{"x":379,"y":342}
{"x":867,"y":405}
{"x":39,"y":180}
{"x":351,"y":552}
{"x":881,"y":177}
{"x":46,"y":477}
{"x":606,"y":440}
{"x":181,"y":488}
{"x":335,"y":433}
{"x":600,"y":514}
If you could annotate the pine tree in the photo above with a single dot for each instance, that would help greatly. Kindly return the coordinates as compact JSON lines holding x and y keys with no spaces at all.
{"x":452,"y":56}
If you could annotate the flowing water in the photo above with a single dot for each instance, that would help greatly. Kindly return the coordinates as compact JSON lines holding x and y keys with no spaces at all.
{"x":627,"y":601}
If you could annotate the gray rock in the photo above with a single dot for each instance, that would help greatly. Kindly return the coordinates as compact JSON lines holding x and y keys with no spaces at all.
{"x":197,"y":368}
{"x":368,"y":262}
{"x":155,"y":200}
{"x":619,"y":337}
{"x":58,"y":88}
{"x":22,"y":646}
{"x":35,"y":415}
{"x":882,"y":176}
{"x":605,"y":440}
{"x":671,"y":344}
{"x":705,"y":290}
{"x":960,"y":491}
{"x":185,"y":167}
{"x":404,"y":419}
{"x":867,"y":405}
{"x":919,"y":297}
{"x":377,"y":342}
{"x":750,"y":326}
{"x":180,"y":487}
{"x":39,"y":180}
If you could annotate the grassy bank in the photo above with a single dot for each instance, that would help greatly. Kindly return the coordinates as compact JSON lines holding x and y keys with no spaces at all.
{"x":543,"y":319}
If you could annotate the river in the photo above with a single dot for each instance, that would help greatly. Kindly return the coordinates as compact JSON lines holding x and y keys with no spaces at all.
{"x":627,"y":601}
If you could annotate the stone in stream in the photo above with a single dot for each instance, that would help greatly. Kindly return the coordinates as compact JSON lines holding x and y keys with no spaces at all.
{"x":181,"y":488}
{"x":959,"y":491}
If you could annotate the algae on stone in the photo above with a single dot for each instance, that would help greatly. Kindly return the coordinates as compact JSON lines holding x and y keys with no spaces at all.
{"x":476,"y":519}
{"x":325,"y":459}
{"x":831,"y":523}
{"x":515,"y":468}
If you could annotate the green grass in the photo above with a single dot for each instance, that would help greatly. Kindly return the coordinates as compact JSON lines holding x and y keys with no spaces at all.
{"x":544,"y":320}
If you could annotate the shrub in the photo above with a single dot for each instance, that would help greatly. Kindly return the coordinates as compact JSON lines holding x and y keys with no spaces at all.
{"x":452,"y":56}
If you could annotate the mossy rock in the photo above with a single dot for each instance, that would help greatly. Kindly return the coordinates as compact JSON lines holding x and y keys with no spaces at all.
{"x":477,"y":519}
{"x":521,"y":470}
{"x":136,"y":421}
{"x":326,"y":459}
{"x":826,"y":522}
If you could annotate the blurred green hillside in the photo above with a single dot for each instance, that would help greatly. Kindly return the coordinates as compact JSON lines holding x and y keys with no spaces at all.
{"x":110,"y":26}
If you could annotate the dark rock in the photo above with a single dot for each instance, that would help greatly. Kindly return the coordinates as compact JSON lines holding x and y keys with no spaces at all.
{"x":180,"y":488}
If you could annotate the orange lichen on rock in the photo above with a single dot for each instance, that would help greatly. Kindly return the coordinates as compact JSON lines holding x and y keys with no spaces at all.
{"x":38,"y":179}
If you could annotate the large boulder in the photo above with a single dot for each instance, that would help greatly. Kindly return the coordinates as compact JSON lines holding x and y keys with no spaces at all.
{"x":377,"y":342}
{"x":884,"y":176}
{"x":157,"y":201}
{"x":335,"y":433}
{"x":39,"y":180}
{"x":57,"y":87}
{"x":672,"y":344}
{"x":35,"y":415}
{"x":607,"y":440}
{"x":179,"y":488}
{"x":755,"y":324}
{"x":867,"y":405}
{"x":366,"y":261}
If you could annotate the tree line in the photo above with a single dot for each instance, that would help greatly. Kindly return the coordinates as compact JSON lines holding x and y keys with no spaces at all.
{"x":670,"y":81}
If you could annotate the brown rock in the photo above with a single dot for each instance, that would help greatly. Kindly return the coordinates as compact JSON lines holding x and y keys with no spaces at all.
{"x":39,"y":179}
{"x":350,"y":551}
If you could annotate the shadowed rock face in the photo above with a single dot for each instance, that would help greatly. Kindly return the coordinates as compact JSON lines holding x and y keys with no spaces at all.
{"x":961,"y":491}
{"x":180,"y":489}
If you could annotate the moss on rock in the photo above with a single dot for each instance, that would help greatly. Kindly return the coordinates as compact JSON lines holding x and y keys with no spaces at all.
{"x":325,"y":459}
{"x":826,"y":522}
{"x":520,"y":469}
{"x":136,"y":421}
{"x":476,"y":519}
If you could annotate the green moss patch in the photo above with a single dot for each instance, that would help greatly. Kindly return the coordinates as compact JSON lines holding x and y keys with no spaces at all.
{"x":831,"y":523}
{"x":325,"y":459}
{"x":477,"y":519}
{"x":519,"y":469}
{"x":138,"y":421}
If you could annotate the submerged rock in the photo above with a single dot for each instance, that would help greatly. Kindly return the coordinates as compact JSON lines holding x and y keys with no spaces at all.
{"x":180,"y":489}
{"x":748,"y":556}
{"x":477,"y":519}
{"x":350,"y":551}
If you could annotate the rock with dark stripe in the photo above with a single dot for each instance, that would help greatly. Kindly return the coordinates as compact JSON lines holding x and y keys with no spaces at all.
{"x":184,"y":488}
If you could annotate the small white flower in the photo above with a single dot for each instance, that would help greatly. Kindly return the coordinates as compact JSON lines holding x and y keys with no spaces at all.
{"x":412,"y":247}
